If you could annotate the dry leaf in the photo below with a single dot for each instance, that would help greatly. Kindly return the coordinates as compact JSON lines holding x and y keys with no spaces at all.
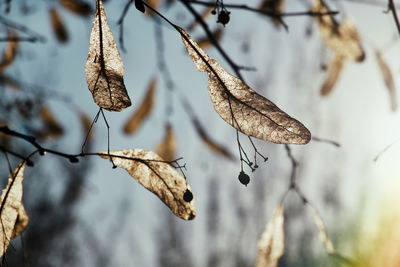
{"x":388,"y":78}
{"x":206,"y":12}
{"x":275,"y":6}
{"x":77,"y":7}
{"x":322,"y":232}
{"x":154,"y":4}
{"x":60,"y":31}
{"x":104,"y":67}
{"x":159,"y":177}
{"x":51,"y":127}
{"x":241,"y":106}
{"x":342,"y":38}
{"x":271,"y":245}
{"x":205,"y":42}
{"x":10,"y":52}
{"x":11,"y":202}
{"x":334,"y":70}
{"x":21,"y":222}
{"x":166,"y":149}
{"x":144,"y":110}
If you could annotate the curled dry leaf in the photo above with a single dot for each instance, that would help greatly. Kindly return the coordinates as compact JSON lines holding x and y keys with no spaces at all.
{"x":21,"y":222}
{"x":11,"y":203}
{"x":334,"y":70}
{"x":144,"y":110}
{"x":205,"y":42}
{"x":241,"y":106}
{"x":104,"y":67}
{"x":271,"y":244}
{"x":275,"y":6}
{"x":341,"y":37}
{"x":388,"y":79}
{"x":322,"y":233}
{"x":10,"y":52}
{"x":78,"y":7}
{"x":167,"y":148}
{"x":59,"y":29}
{"x":158,"y":176}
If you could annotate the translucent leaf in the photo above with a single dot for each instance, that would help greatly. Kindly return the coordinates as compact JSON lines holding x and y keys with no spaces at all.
{"x":275,"y":6}
{"x":59,"y":29}
{"x":21,"y":222}
{"x":144,"y":110}
{"x":388,"y":79}
{"x":322,"y":232}
{"x":78,"y":7}
{"x":342,"y":38}
{"x":158,"y":176}
{"x":167,"y":148}
{"x":271,"y":245}
{"x":104,"y":67}
{"x":11,"y":202}
{"x":334,"y":70}
{"x":205,"y":42}
{"x":9,"y":53}
{"x":241,"y":106}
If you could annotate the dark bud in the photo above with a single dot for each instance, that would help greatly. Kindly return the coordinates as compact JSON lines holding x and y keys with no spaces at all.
{"x":213,"y":12}
{"x":42,"y":152}
{"x":244,"y":178}
{"x":139,"y":5}
{"x":73,"y":159}
{"x":187,"y":196}
{"x":29,"y":163}
{"x":223,"y":17}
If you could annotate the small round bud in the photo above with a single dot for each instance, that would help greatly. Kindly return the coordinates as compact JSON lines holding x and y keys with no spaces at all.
{"x":244,"y":178}
{"x":223,"y":17}
{"x":187,"y":196}
{"x":73,"y":159}
{"x":213,"y":12}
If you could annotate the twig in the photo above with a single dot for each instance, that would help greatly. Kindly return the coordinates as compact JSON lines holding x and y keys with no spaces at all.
{"x":394,"y":12}
{"x":322,"y":140}
{"x":34,"y":35}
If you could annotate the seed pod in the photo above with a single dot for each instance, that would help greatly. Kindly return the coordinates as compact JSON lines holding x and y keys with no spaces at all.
{"x":223,"y":17}
{"x":244,"y":178}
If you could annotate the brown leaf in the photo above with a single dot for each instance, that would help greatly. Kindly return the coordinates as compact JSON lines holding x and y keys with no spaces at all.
{"x":59,"y":29}
{"x":388,"y":78}
{"x":275,"y":6}
{"x":104,"y":67}
{"x":241,"y":106}
{"x":10,"y":52}
{"x":158,"y":176}
{"x":205,"y":42}
{"x":77,"y":7}
{"x":51,"y":127}
{"x":167,"y":148}
{"x":154,"y":4}
{"x":342,"y":37}
{"x":271,"y":244}
{"x":144,"y":110}
{"x":334,"y":70}
{"x":322,"y":233}
{"x":11,"y":202}
{"x":206,"y":12}
{"x":21,"y":222}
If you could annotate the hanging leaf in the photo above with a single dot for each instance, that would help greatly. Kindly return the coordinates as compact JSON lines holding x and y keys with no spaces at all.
{"x":275,"y":6}
{"x":144,"y":110}
{"x":342,"y":38}
{"x":159,"y":177}
{"x":334,"y":70}
{"x":10,"y":52}
{"x":388,"y":79}
{"x":59,"y":29}
{"x":241,"y":106}
{"x":11,"y":203}
{"x":77,"y":7}
{"x":205,"y":42}
{"x":51,"y":127}
{"x":154,"y":4}
{"x":104,"y":66}
{"x":271,"y":245}
{"x":322,"y":233}
{"x":167,"y":148}
{"x":21,"y":223}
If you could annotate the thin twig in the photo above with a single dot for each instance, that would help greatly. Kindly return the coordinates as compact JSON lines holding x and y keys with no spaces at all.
{"x":394,"y":12}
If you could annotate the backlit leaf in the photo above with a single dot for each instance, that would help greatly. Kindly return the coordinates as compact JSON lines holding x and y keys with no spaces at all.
{"x":167,"y":148}
{"x":322,"y":232}
{"x":341,"y":37}
{"x":21,"y":222}
{"x":58,"y":25}
{"x":158,"y":176}
{"x":334,"y":70}
{"x":78,"y":7}
{"x":275,"y":6}
{"x":388,"y":79}
{"x":205,"y":42}
{"x":241,"y":106}
{"x":11,"y":202}
{"x":9,"y":53}
{"x":271,"y":244}
{"x":104,"y":67}
{"x":144,"y":110}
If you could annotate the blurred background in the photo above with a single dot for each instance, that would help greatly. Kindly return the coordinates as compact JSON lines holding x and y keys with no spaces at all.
{"x":88,"y":214}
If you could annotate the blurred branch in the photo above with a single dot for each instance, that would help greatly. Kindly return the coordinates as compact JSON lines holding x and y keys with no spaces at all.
{"x":22,"y":28}
{"x":392,"y":8}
